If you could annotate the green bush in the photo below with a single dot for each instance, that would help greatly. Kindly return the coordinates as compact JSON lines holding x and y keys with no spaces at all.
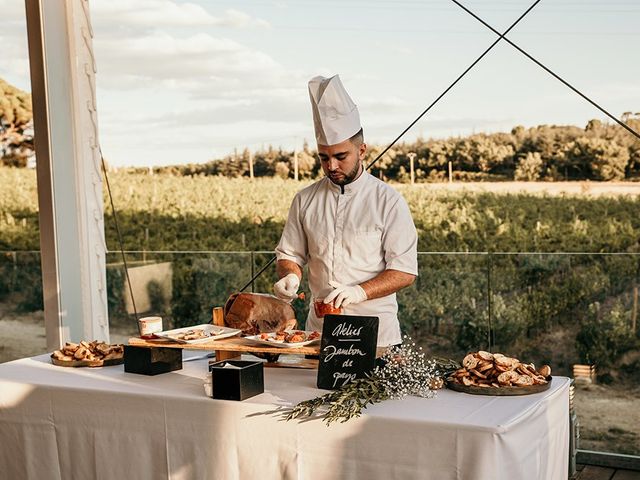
{"x":158,"y":303}
{"x":605,"y":336}
{"x":115,"y":292}
{"x":21,"y":278}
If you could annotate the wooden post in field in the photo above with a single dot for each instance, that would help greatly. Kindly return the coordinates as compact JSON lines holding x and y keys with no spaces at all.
{"x":634,"y":311}
{"x":450,"y":173}
{"x":412,"y":156}
{"x":251,"y":165}
{"x":295,"y":164}
{"x":145,"y":246}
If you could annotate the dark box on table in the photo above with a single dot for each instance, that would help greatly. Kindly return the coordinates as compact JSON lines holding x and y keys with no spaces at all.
{"x":236,"y":379}
{"x":151,"y":361}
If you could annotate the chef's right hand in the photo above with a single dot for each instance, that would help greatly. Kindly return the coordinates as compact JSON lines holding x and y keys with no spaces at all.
{"x":287,"y":287}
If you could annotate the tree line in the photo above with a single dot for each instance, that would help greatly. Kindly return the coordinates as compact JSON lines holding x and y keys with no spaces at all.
{"x":599,"y":151}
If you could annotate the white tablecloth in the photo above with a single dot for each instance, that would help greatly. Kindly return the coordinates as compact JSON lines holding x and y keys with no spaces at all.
{"x":64,"y":423}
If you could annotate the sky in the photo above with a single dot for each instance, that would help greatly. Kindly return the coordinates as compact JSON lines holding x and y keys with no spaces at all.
{"x":191,"y":81}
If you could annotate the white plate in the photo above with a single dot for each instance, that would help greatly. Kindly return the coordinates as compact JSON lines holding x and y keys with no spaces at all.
{"x":283,"y":344}
{"x":214,"y":333}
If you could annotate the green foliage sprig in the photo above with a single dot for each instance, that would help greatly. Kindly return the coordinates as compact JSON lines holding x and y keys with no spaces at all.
{"x":403,"y":371}
{"x":345,"y":403}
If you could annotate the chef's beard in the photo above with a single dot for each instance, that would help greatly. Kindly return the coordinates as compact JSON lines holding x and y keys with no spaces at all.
{"x":349,"y":177}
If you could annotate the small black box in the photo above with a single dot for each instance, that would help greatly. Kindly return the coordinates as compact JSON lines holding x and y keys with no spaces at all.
{"x":236,"y":379}
{"x":151,"y":361}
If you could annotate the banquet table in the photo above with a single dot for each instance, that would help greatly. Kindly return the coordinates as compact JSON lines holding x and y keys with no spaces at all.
{"x":103,"y":423}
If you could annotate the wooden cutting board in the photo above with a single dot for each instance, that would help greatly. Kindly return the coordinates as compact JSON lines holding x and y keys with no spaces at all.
{"x":233,"y":344}
{"x":227,"y":348}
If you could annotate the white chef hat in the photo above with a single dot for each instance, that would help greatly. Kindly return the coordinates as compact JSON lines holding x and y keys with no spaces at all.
{"x":335,"y":116}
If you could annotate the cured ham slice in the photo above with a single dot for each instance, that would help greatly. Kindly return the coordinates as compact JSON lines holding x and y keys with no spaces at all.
{"x":256,"y":313}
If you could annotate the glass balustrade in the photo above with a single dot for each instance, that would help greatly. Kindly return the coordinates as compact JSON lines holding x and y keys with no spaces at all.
{"x":576,"y":312}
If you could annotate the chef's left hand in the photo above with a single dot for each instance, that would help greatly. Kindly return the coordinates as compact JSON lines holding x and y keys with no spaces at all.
{"x":344,"y":295}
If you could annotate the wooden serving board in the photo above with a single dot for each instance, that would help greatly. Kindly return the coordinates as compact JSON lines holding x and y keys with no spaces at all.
{"x":228,"y":348}
{"x":499,"y":391}
{"x":233,"y":344}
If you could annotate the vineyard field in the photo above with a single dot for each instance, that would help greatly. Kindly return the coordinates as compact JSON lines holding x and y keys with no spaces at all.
{"x":167,"y":212}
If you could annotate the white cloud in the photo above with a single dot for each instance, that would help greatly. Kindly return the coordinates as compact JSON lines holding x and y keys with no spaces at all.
{"x":189,"y":93}
{"x":164,"y":56}
{"x":145,"y":145}
{"x":166,"y":13}
{"x":12,"y":11}
{"x":388,"y":102}
{"x":15,"y":60}
{"x":151,"y":44}
{"x":266,"y":109}
{"x":617,"y":91}
{"x":238,"y":19}
{"x":14,"y":63}
{"x":145,"y":44}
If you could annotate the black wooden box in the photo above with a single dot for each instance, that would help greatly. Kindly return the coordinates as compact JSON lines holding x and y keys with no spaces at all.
{"x":151,"y":361}
{"x":236,"y":379}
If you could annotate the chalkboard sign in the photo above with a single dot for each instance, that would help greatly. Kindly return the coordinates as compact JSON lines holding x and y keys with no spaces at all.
{"x":347,"y":349}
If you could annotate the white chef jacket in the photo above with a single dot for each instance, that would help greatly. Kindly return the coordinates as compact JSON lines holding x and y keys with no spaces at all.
{"x":349,"y":235}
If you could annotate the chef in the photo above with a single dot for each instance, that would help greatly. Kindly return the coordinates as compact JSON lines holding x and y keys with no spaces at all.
{"x":353,"y":232}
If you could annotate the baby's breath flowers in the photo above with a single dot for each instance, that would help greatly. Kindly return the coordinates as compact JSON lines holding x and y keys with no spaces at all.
{"x":405,"y":371}
{"x":402,"y":370}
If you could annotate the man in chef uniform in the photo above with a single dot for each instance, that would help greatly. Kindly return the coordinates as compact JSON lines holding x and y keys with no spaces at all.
{"x":354,"y":232}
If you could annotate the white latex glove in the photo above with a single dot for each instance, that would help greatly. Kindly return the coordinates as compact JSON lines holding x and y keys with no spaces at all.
{"x":287,"y":287}
{"x":344,"y":295}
